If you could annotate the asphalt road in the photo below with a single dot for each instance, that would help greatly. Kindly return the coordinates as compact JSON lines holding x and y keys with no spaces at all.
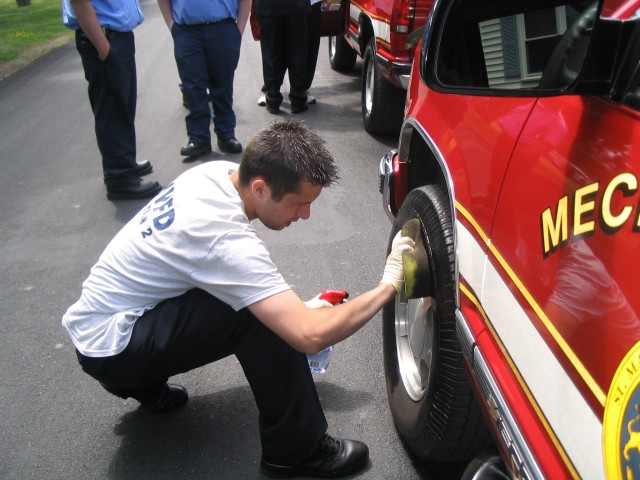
{"x":55,"y":421}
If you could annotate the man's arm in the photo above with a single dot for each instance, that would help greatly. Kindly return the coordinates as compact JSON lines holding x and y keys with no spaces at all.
{"x":309,"y":330}
{"x":165,"y":9}
{"x":244,"y":9}
{"x":90,"y":25}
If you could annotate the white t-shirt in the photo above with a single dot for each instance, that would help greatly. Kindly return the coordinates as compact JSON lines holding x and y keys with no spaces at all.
{"x":194,"y":234}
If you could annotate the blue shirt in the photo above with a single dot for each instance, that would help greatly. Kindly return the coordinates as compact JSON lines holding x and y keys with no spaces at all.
{"x":193,"y":12}
{"x":119,"y":15}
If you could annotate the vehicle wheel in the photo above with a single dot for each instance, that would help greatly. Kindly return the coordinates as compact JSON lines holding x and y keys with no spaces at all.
{"x":382,"y":103}
{"x":431,"y":401}
{"x":341,"y":56}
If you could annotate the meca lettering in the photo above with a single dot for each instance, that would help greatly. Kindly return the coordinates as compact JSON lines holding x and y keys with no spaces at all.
{"x":555,"y":230}
{"x":162,"y":208}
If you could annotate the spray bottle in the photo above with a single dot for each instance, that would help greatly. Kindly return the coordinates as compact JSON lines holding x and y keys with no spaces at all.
{"x":319,"y":362}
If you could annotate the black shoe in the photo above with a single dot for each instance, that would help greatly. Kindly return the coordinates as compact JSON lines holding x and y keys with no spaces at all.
{"x":195,"y":149}
{"x":143,"y":168}
{"x":274,"y":109}
{"x":230,"y":145}
{"x":299,"y":108}
{"x":132,"y":189}
{"x":140,"y":170}
{"x":331,"y":458}
{"x":170,"y":397}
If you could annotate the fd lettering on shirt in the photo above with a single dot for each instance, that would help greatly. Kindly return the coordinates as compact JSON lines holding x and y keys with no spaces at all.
{"x":160,"y":211}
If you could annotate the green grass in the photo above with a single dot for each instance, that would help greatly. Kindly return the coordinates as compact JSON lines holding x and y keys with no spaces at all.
{"x":24,"y":28}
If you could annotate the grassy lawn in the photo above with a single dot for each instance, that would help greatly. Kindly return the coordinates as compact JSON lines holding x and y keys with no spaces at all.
{"x":28,"y":32}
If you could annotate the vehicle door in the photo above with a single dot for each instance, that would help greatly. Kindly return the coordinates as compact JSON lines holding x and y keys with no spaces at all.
{"x":561,"y":289}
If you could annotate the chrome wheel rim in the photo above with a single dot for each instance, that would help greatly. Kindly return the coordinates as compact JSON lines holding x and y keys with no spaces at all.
{"x":415,"y":338}
{"x":332,"y":47}
{"x":369,"y":86}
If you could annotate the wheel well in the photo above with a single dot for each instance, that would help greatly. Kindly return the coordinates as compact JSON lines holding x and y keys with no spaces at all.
{"x":424,"y":168}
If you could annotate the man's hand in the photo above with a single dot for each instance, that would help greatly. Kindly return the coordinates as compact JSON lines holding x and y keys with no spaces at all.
{"x":315,"y":302}
{"x":393,"y":272}
{"x":165,"y":9}
{"x":88,"y":20}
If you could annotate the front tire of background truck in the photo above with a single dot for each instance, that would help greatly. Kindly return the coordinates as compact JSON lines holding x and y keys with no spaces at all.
{"x":430,"y":398}
{"x":382,"y":103}
{"x":341,"y":56}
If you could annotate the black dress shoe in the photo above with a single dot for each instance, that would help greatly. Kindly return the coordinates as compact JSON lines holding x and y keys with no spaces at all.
{"x":299,"y":108}
{"x":195,"y":149}
{"x":131,"y":189}
{"x":143,"y":168}
{"x":331,"y":458}
{"x":273,"y":109}
{"x":170,"y":397}
{"x":230,"y":145}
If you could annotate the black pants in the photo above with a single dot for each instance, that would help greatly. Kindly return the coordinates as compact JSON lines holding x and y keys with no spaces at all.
{"x":113,"y":96}
{"x":195,"y":329}
{"x":314,"y":27}
{"x":283,"y":43}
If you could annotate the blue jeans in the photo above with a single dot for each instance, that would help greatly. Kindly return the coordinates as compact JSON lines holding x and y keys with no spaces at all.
{"x":207,"y":56}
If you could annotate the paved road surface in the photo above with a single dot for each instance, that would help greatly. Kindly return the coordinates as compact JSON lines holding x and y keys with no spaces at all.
{"x":57,"y":423}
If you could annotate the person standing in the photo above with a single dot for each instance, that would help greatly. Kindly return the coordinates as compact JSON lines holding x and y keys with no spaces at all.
{"x":314,"y":27}
{"x":188,"y":281}
{"x":206,"y":36}
{"x":283,"y":43}
{"x":105,"y":41}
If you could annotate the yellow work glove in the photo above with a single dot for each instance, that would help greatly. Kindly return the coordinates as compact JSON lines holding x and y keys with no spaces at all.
{"x":393,"y":273}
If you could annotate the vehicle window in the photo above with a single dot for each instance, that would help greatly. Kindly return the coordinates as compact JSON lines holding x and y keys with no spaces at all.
{"x":517,"y":45}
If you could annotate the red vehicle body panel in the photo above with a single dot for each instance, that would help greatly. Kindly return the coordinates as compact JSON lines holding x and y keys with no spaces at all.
{"x":384,"y":16}
{"x":547,"y":189}
{"x":572,"y":129}
{"x":467,"y":129}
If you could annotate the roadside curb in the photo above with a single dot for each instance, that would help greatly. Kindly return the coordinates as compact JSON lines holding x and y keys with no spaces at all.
{"x":30,"y":55}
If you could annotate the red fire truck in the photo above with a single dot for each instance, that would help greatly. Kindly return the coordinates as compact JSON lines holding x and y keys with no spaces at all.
{"x":520,"y":155}
{"x":377,"y":31}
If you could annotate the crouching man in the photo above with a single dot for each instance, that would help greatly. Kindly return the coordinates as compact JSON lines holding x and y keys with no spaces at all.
{"x":188,"y":281}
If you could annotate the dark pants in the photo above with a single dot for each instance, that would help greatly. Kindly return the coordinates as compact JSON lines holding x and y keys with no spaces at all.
{"x":195,"y":329}
{"x":207,"y":56}
{"x":283,"y":43}
{"x":314,"y":26}
{"x":113,"y":95}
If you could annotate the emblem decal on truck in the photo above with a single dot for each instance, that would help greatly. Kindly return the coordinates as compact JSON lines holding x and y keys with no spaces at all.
{"x":621,"y":426}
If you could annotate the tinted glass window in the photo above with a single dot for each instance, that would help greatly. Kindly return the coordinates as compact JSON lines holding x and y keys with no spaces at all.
{"x":513,"y":45}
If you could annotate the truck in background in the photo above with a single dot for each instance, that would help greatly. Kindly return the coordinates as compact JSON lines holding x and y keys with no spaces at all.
{"x":377,"y":31}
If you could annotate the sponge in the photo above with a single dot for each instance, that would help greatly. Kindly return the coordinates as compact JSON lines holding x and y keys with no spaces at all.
{"x":415,"y":263}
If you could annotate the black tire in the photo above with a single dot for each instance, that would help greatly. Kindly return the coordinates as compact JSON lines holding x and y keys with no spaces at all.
{"x":341,"y":56}
{"x":382,"y":103}
{"x":431,"y":400}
